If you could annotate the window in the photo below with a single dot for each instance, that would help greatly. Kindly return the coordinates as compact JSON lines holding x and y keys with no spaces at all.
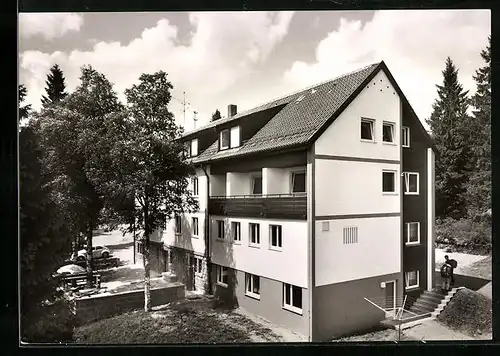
{"x":194,"y":186}
{"x":257,"y":185}
{"x":299,"y":182}
{"x":275,"y":241}
{"x":252,"y":285}
{"x":140,"y":248}
{"x":195,"y":226}
{"x":224,"y":140}
{"x":412,"y":279}
{"x":412,"y":233}
{"x":254,"y":234}
{"x":236,"y":231}
{"x":350,"y":235}
{"x":388,"y":132}
{"x":292,"y":298}
{"x":367,"y":130}
{"x":405,"y":133}
{"x":411,"y":183}
{"x":220,"y":229}
{"x":198,"y":265}
{"x":389,"y":182}
{"x":194,"y":147}
{"x":178,"y":226}
{"x":235,"y":136}
{"x":222,"y":276}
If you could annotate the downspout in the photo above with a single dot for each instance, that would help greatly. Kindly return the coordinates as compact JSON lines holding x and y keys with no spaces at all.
{"x":207,"y":234}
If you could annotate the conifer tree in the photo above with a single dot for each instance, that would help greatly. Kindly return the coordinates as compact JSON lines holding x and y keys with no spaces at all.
{"x":56,"y":86}
{"x":216,"y":115}
{"x":450,"y":127}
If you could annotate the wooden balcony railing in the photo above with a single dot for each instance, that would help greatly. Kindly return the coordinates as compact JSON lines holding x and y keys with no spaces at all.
{"x":272,"y":206}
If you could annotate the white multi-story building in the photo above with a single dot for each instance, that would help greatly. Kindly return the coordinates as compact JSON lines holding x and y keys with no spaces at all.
{"x":310,"y":203}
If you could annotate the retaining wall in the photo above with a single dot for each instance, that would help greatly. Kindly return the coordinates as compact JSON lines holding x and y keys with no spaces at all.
{"x":96,"y":307}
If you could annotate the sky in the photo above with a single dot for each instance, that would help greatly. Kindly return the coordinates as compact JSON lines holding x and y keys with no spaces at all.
{"x":249,"y":58}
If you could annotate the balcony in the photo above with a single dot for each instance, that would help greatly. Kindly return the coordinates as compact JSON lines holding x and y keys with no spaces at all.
{"x":271,"y":206}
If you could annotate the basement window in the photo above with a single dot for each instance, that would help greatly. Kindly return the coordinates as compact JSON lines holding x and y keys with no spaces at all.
{"x":292,"y":298}
{"x":222,"y":276}
{"x":252,"y":285}
{"x":412,"y":279}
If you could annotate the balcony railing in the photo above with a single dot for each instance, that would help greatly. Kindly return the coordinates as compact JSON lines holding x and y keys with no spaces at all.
{"x":273,"y":206}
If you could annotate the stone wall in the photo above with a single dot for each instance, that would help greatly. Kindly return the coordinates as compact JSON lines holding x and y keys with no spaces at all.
{"x":180,"y":265}
{"x":96,"y":307}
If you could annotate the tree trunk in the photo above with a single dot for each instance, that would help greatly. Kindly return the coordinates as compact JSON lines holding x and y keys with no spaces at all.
{"x":89,"y":256}
{"x":145,"y":259}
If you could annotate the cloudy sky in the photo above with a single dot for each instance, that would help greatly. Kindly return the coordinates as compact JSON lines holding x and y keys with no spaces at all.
{"x":248,"y":58}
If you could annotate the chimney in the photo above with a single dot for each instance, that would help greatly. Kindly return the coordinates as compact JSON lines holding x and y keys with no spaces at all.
{"x":231,"y":110}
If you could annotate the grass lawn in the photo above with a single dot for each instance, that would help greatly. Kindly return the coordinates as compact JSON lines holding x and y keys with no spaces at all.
{"x":175,"y":325}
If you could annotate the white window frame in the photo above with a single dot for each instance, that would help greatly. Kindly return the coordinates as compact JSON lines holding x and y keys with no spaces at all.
{"x":249,"y":282}
{"x":395,"y":173}
{"x":250,"y":243}
{"x":407,"y":181}
{"x":235,"y":137}
{"x":252,"y":182}
{"x":393,"y":132}
{"x":228,"y":139}
{"x":405,"y":135}
{"x":279,"y":228}
{"x":415,"y":286}
{"x":407,"y":228}
{"x":237,"y":230}
{"x":195,"y":187}
{"x":222,"y":271}
{"x":223,"y":230}
{"x":194,"y":144}
{"x":178,"y":225}
{"x":372,"y":123}
{"x":196,"y":227}
{"x":292,"y":178}
{"x":290,"y":306}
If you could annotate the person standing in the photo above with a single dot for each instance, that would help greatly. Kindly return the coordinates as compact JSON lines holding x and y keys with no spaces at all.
{"x":446,"y":277}
{"x":453,"y":264}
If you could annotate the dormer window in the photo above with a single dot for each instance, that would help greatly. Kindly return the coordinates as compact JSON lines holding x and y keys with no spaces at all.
{"x":224,"y":140}
{"x":194,"y":147}
{"x":235,"y":137}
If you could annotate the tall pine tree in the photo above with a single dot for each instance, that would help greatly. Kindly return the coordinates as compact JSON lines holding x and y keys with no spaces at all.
{"x":55,"y":86}
{"x":479,"y":186}
{"x":450,"y":126}
{"x":216,"y":115}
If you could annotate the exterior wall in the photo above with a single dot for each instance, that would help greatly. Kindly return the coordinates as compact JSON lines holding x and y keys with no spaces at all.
{"x":288,"y":265}
{"x":239,"y":183}
{"x":415,"y":206}
{"x":431,"y":218}
{"x":278,"y":180}
{"x":377,"y":251}
{"x":347,"y":187}
{"x":218,"y":185}
{"x":378,"y":101}
{"x":186,"y":240}
{"x":157,"y":257}
{"x":270,"y":305}
{"x":184,"y":272}
{"x":340,"y":309}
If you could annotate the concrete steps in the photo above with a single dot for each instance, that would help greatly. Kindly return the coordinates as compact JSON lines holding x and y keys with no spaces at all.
{"x":440,"y":307}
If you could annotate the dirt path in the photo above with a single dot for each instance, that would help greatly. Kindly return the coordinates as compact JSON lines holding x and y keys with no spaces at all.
{"x":432,"y":330}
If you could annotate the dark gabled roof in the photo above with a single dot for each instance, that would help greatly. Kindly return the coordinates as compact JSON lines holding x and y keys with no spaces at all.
{"x":304,"y":116}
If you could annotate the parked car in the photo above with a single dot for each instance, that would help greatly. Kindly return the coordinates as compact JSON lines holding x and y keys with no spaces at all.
{"x":70,"y":270}
{"x":97,"y":252}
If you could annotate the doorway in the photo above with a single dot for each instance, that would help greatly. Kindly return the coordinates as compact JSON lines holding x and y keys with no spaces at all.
{"x":190,"y":280}
{"x":390,"y":297}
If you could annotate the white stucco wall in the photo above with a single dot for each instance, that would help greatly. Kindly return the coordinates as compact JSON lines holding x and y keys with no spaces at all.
{"x":288,"y":265}
{"x":238,"y":183}
{"x":185,"y":239}
{"x":218,"y":185}
{"x":278,"y":180}
{"x":346,"y":187}
{"x":380,"y":102}
{"x":377,"y":252}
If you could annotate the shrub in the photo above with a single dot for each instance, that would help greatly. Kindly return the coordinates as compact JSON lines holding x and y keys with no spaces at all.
{"x":474,"y":234}
{"x":52,"y":323}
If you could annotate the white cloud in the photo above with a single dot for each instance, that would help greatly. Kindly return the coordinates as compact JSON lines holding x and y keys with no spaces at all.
{"x":413,"y":44}
{"x":47,"y":25}
{"x":224,"y":48}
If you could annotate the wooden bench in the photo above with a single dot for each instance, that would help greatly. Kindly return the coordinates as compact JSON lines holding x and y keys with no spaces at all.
{"x":80,"y":280}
